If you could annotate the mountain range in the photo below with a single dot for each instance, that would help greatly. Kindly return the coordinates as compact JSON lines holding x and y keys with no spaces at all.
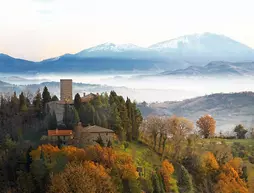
{"x":182,"y":52}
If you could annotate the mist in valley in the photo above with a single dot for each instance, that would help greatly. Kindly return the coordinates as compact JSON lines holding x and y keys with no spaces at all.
{"x":137,"y":86}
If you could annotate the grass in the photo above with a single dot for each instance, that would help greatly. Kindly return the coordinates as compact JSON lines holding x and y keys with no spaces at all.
{"x":142,"y":154}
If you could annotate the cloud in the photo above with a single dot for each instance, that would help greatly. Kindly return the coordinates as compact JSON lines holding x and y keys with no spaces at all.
{"x":44,"y":11}
{"x":44,"y":1}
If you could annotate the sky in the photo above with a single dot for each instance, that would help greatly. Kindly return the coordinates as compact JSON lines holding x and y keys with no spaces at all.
{"x":40,"y":29}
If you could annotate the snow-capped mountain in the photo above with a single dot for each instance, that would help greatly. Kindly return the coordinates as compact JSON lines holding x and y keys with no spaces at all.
{"x":178,"y":53}
{"x":205,"y":42}
{"x":206,"y":47}
{"x":114,"y":47}
{"x":113,"y":50}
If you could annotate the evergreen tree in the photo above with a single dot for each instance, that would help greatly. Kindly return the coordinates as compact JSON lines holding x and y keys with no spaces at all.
{"x":54,"y":98}
{"x":115,"y":121}
{"x":37,"y":103}
{"x":82,"y":115}
{"x":156,"y":184}
{"x":53,"y":121}
{"x":124,"y":117}
{"x":77,"y":101}
{"x":76,"y":119}
{"x":45,"y":96}
{"x":130,"y":115}
{"x":68,"y":116}
{"x":91,"y":114}
{"x":22,"y":102}
{"x":97,"y":120}
{"x":15,"y":102}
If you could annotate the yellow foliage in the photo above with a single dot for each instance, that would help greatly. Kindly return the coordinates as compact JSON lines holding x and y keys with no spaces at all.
{"x":209,"y":162}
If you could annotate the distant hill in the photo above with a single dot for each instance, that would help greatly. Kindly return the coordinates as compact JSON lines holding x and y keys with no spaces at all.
{"x":215,"y":68}
{"x":227,"y":109}
{"x":182,"y":52}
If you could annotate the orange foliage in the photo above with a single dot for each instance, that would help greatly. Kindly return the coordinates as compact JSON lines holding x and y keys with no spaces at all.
{"x":207,"y":125}
{"x":166,"y":171}
{"x":236,"y":163}
{"x":74,"y":154}
{"x":109,"y":158}
{"x":127,"y":170}
{"x":48,"y":151}
{"x":106,"y":157}
{"x":82,"y":178}
{"x":209,"y":162}
{"x":229,"y":181}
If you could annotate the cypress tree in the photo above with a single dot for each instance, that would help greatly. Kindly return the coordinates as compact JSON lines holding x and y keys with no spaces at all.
{"x":54,"y":98}
{"x":15,"y":102}
{"x":77,"y":101}
{"x":45,"y":96}
{"x":124,"y":117}
{"x":82,"y":115}
{"x":115,"y":122}
{"x":53,"y":121}
{"x":22,"y":103}
{"x":37,"y":102}
{"x":76,"y":119}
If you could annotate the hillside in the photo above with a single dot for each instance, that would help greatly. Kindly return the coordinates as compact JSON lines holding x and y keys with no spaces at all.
{"x":227,"y":109}
{"x":215,"y":69}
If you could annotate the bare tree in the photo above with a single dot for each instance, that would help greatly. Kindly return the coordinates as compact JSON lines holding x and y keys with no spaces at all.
{"x":153,"y":125}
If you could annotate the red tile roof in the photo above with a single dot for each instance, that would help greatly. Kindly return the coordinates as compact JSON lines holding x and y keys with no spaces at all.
{"x":59,"y":132}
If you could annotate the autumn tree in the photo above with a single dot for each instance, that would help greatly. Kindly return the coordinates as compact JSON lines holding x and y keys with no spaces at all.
{"x":206,"y":125}
{"x":153,"y":125}
{"x":82,"y":178}
{"x":240,"y":131}
{"x":229,"y":181}
{"x":178,"y":128}
{"x":166,"y":171}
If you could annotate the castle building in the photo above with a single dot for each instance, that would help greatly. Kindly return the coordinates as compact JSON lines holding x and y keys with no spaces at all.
{"x":66,"y":90}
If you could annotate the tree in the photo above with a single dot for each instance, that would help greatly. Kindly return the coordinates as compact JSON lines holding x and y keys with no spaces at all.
{"x":15,"y":102}
{"x":115,"y":122}
{"x":166,"y":171}
{"x":82,"y":115}
{"x":77,"y":101}
{"x":82,"y":178}
{"x":153,"y":125}
{"x":76,"y":117}
{"x":37,"y":102}
{"x":22,"y":103}
{"x":54,"y":98}
{"x":240,"y":131}
{"x":206,"y":125}
{"x":52,"y":121}
{"x":178,"y":128}
{"x":45,"y":96}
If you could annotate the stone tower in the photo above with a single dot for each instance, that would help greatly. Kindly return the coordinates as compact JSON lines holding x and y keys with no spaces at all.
{"x":66,"y":89}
